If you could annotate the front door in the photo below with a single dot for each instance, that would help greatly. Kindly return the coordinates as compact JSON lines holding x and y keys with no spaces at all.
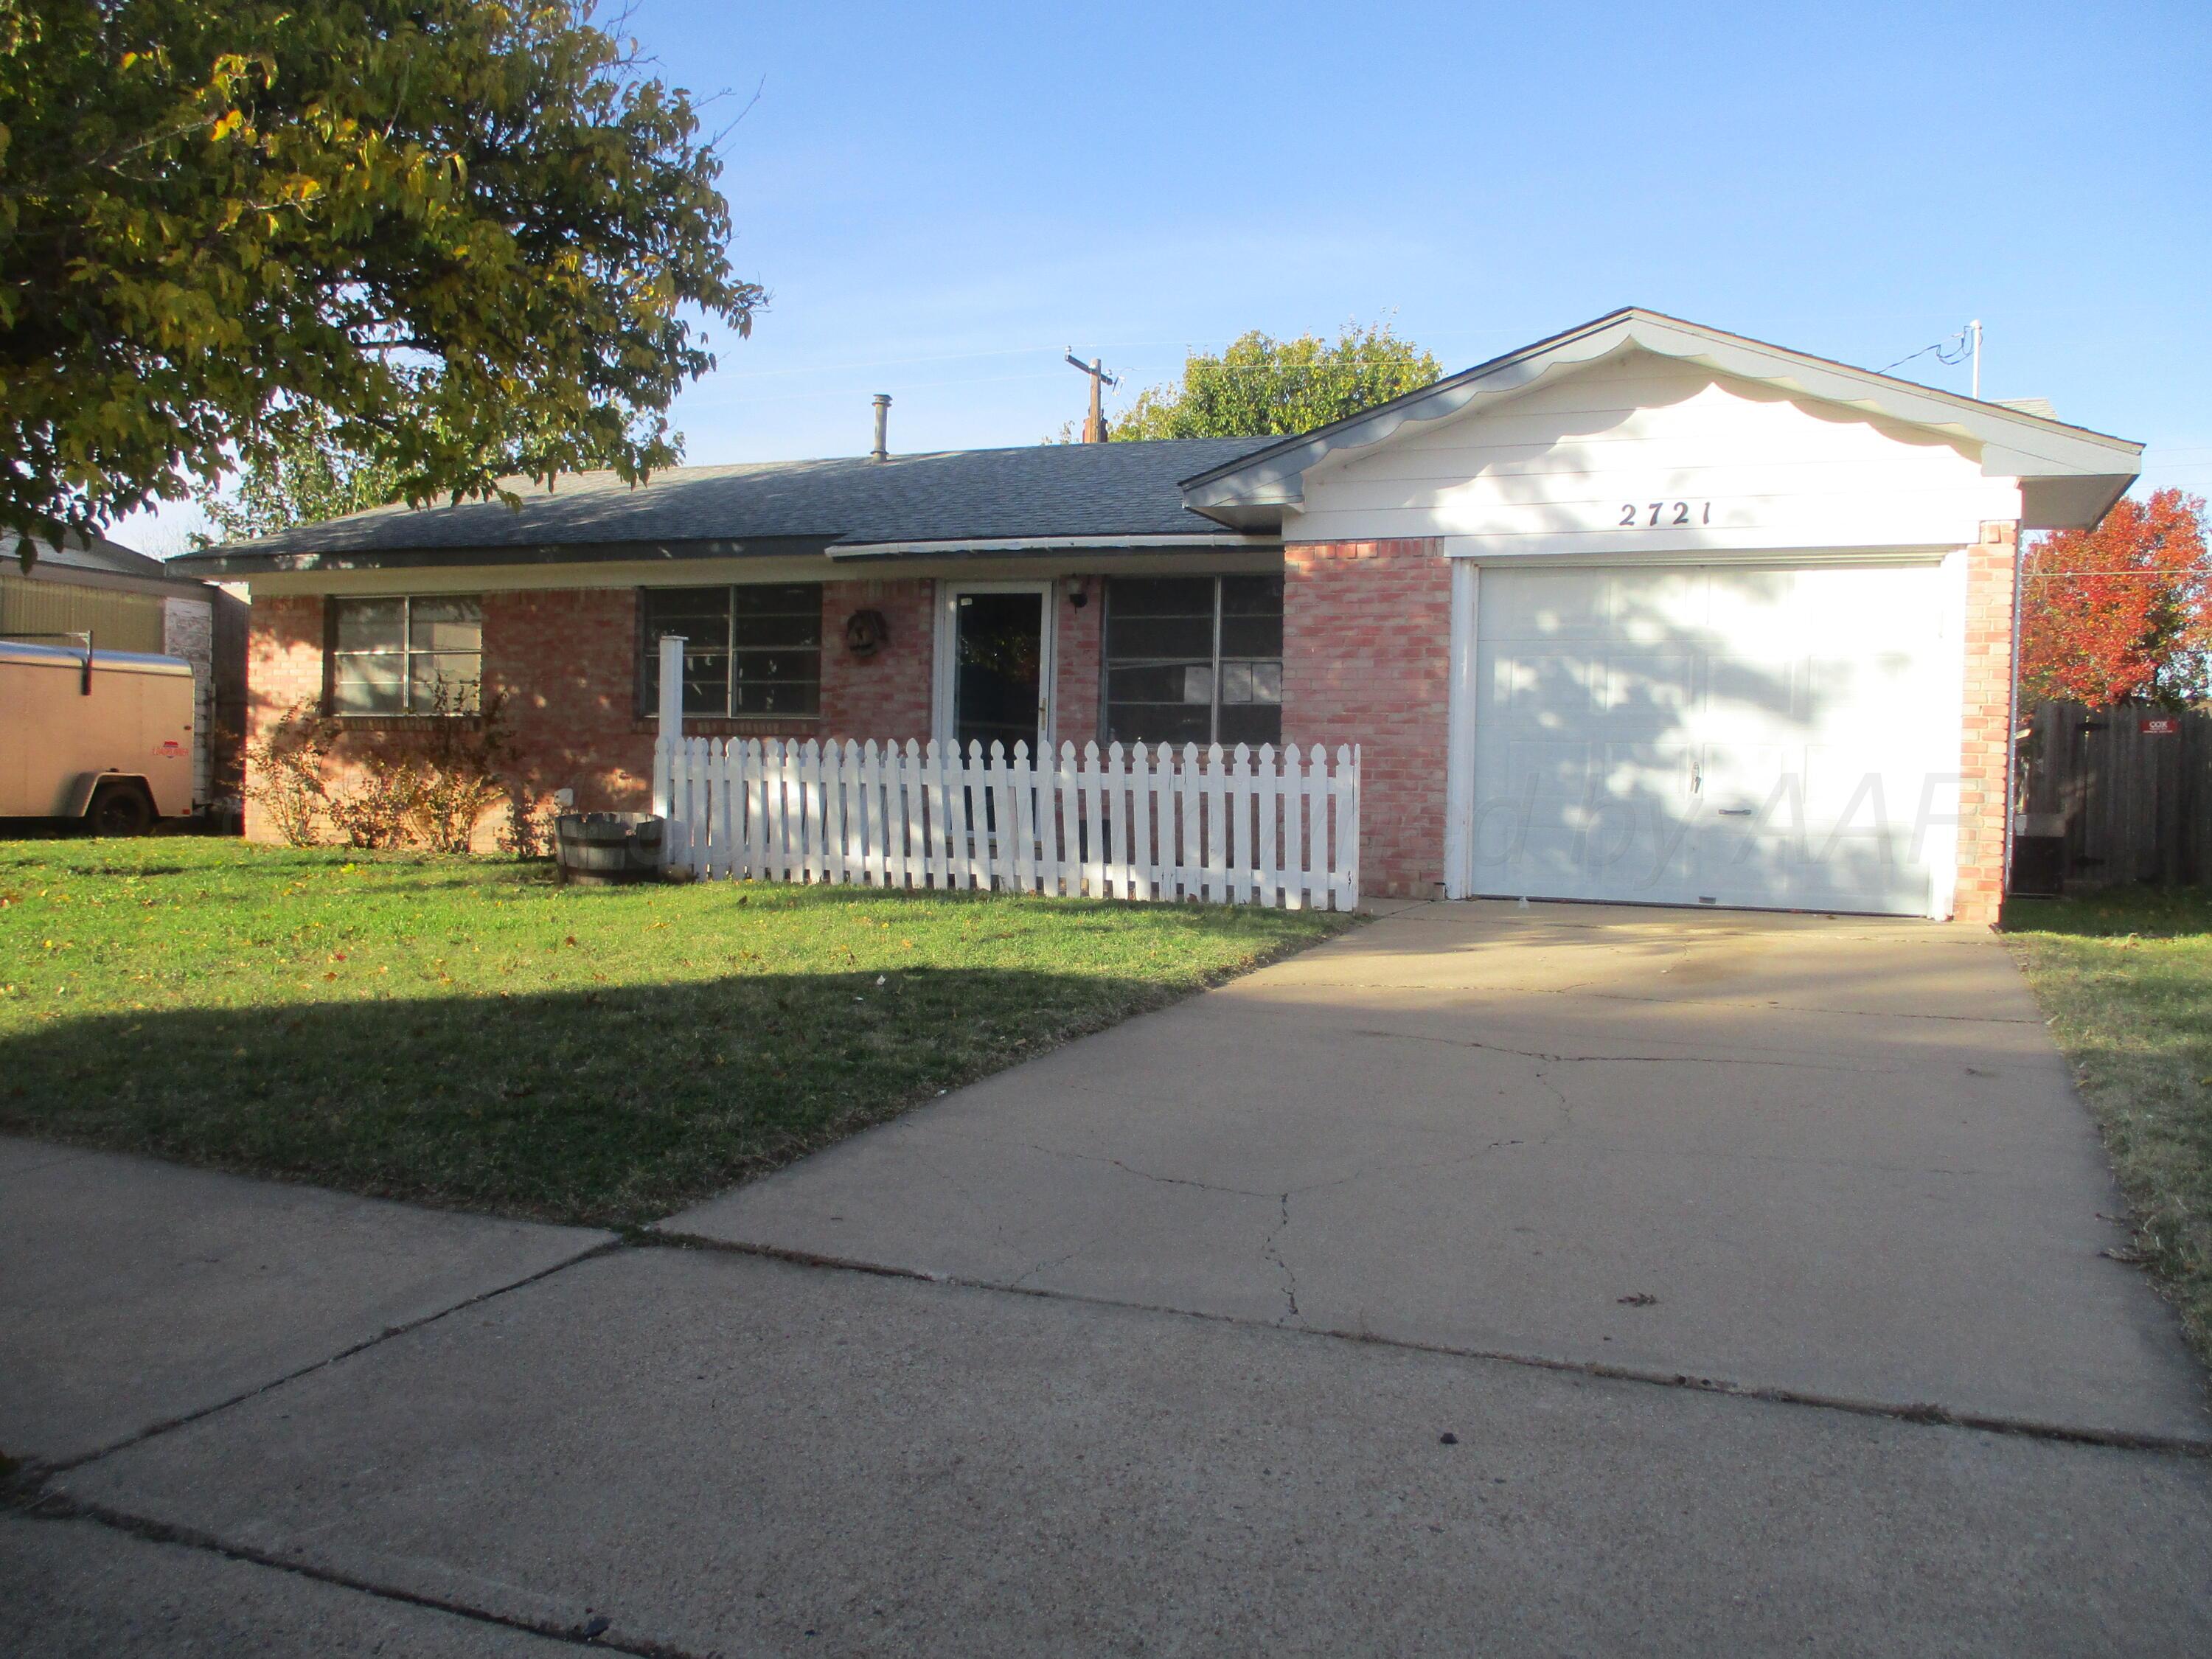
{"x":996,"y":640}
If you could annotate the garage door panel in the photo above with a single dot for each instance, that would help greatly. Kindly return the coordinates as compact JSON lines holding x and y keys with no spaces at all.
{"x":1543,"y":692}
{"x":1575,"y":604}
{"x":1649,"y":691}
{"x":1657,"y":607}
{"x":1746,"y":696}
{"x":1751,"y":736}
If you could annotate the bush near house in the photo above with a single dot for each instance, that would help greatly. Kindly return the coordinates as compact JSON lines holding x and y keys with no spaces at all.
{"x":464,"y":1032}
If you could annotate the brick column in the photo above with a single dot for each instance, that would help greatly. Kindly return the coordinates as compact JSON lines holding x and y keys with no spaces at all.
{"x":1076,"y":646}
{"x":1367,"y":661}
{"x":1986,"y":724}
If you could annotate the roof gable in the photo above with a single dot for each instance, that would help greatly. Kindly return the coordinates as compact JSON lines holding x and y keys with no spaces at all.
{"x":2067,"y":474}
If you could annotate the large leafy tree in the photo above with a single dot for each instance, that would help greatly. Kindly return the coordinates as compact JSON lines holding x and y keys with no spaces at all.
{"x":2123,"y":611}
{"x":1261,"y":387}
{"x":418,"y":229}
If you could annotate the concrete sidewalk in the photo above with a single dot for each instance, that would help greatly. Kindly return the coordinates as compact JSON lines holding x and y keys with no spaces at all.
{"x":720,"y":1453}
{"x":133,"y":1292}
{"x":1839,"y":1159}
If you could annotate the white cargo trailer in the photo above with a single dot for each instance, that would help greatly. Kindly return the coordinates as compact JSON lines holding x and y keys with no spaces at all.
{"x":100,"y":737}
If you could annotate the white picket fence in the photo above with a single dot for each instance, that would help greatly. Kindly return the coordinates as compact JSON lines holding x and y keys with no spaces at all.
{"x":1144,"y":823}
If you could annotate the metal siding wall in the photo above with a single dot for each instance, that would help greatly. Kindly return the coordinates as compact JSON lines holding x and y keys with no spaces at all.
{"x":117,"y":622}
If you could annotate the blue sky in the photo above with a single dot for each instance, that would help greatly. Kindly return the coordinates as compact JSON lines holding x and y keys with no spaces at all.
{"x":942,"y":199}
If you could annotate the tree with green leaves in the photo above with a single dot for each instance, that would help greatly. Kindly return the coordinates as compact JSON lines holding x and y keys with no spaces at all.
{"x":311,"y":473}
{"x":469,"y":238}
{"x":1265,"y":387}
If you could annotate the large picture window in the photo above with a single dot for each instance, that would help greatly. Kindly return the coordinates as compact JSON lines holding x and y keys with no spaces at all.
{"x":750,"y":652}
{"x":417,"y":654}
{"x":1195,"y":660}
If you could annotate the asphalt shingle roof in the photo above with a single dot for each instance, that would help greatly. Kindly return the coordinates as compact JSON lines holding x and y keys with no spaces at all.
{"x":1114,"y":489}
{"x":98,"y":554}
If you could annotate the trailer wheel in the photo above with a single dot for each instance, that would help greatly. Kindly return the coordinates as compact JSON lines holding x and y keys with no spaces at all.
{"x":119,"y":809}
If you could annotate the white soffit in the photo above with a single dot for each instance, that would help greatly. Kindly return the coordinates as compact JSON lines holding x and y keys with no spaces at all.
{"x":2068,"y":474}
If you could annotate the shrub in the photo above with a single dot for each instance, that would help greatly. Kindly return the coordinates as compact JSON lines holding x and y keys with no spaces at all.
{"x":529,"y":830}
{"x":457,"y":766}
{"x":429,"y":784}
{"x":376,"y":807}
{"x":284,"y":771}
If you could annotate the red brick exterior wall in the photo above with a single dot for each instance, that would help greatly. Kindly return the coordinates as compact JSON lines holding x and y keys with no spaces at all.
{"x":1367,"y":659}
{"x":1984,"y":782}
{"x":885,"y":696}
{"x":1076,"y":669}
{"x":567,"y":660}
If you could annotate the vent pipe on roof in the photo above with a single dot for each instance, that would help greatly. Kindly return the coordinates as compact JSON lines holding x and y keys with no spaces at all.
{"x":882,"y":451}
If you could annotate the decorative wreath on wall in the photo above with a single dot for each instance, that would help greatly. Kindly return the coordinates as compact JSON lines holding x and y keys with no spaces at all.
{"x":867,"y":633}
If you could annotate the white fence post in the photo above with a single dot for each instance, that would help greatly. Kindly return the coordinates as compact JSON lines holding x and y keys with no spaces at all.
{"x":667,"y":744}
{"x":1141,"y":823}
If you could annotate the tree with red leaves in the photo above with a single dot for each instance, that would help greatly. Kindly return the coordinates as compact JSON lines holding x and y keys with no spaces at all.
{"x":2122,"y":612}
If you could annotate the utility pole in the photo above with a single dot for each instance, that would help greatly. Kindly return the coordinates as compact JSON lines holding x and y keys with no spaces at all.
{"x":1975,"y":329}
{"x":1094,"y":427}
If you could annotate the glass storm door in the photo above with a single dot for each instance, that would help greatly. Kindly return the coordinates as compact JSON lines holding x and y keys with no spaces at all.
{"x":998,"y":690}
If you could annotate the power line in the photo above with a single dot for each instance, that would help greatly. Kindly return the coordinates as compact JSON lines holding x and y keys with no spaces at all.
{"x":1941,"y":355}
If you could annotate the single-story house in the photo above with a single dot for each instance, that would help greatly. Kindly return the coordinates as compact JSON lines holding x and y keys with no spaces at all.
{"x":1644,"y":612}
{"x":92,"y":589}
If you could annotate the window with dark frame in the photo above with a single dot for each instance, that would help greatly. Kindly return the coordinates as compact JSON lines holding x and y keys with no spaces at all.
{"x":413,"y":654}
{"x":1195,"y":660}
{"x":749,"y":652}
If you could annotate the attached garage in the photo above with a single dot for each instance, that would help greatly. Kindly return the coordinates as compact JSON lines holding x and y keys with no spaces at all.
{"x":1740,"y":734}
{"x":1648,"y":612}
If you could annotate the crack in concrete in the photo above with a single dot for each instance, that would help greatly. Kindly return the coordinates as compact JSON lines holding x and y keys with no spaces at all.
{"x":1621,"y":1059}
{"x":1391,"y":1165}
{"x":1271,"y":1249}
{"x":1567,"y":1107}
{"x":36,"y":1470}
{"x":58,"y":1507}
{"x":1142,"y":1174}
{"x":997,"y":1227}
{"x":1047,"y":1265}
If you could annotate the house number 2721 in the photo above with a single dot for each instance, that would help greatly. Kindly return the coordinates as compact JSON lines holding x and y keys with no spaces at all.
{"x":1660,"y":515}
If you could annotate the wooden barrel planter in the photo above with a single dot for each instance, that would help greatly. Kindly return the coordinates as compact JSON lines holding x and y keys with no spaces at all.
{"x":608,"y":849}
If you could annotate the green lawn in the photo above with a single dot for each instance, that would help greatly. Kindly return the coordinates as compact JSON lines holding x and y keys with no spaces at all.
{"x":2126,"y":980}
{"x":464,"y":1032}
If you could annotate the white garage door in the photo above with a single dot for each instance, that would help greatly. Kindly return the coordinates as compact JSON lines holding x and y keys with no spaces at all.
{"x":1717,"y":735}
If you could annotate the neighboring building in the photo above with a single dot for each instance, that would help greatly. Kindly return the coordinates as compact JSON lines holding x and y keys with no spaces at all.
{"x":1644,"y":612}
{"x":125,"y":601}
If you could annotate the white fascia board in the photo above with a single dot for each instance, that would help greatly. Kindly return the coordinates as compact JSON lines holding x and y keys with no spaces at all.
{"x":2014,"y":444}
{"x":1224,"y":538}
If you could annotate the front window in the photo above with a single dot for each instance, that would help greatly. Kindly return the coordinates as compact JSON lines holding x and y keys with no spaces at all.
{"x":749,"y":653}
{"x":417,"y":654}
{"x":1195,"y":660}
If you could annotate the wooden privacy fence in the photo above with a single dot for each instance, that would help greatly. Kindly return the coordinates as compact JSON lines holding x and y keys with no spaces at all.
{"x":2129,"y":788}
{"x":1146,"y":822}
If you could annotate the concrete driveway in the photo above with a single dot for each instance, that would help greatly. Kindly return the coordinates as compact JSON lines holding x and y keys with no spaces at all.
{"x":1832,"y":1159}
{"x":1835,"y":1163}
